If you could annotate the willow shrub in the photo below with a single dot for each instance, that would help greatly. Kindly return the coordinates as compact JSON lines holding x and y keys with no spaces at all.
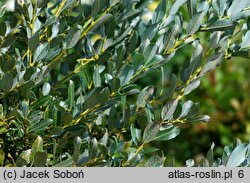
{"x":70,"y":77}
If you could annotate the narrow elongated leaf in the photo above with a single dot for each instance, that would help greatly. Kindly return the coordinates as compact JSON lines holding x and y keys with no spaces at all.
{"x":237,"y":6}
{"x":220,"y":25}
{"x":40,"y":159}
{"x":195,"y":23}
{"x":71,"y":94}
{"x":66,"y":5}
{"x":170,"y":37}
{"x":2,"y":157}
{"x":210,"y":155}
{"x":96,"y":96}
{"x":95,"y":8}
{"x":133,"y":42}
{"x":212,"y":62}
{"x":149,"y":53}
{"x":204,"y":118}
{"x":46,"y":88}
{"x":159,"y":12}
{"x":8,"y":41}
{"x":246,"y":40}
{"x":186,"y":108}
{"x":96,"y":77}
{"x":41,"y":52}
{"x":41,"y":101}
{"x":102,"y":21}
{"x":237,"y":156}
{"x":93,"y":148}
{"x":34,"y":42}
{"x":144,"y":96}
{"x":40,"y":125}
{"x":191,"y":4}
{"x":6,"y":82}
{"x":150,"y":132}
{"x":155,"y":161}
{"x":72,"y":37}
{"x":127,"y":74}
{"x":191,"y":86}
{"x":3,"y":28}
{"x":169,"y":109}
{"x":136,"y":134}
{"x":77,"y":146}
{"x":66,"y":163}
{"x":167,"y":134}
{"x":176,"y":6}
{"x":137,"y":61}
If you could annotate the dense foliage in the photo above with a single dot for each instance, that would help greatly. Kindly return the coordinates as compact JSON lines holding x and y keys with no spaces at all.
{"x":71,"y":78}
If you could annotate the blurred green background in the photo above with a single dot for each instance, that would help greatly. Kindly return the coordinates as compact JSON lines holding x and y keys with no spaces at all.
{"x":224,"y":95}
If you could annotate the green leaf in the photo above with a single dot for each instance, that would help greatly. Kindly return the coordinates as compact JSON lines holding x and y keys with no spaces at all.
{"x":136,"y":134}
{"x":96,"y":96}
{"x":67,"y":4}
{"x":191,"y":4}
{"x":171,"y":37}
{"x":96,"y":77}
{"x":126,"y":74}
{"x":40,"y":159}
{"x":168,"y":110}
{"x":38,"y":126}
{"x":195,"y":23}
{"x":36,"y":147}
{"x":66,"y":163}
{"x":72,"y":37}
{"x":93,"y":148}
{"x":150,"y":132}
{"x":191,"y":86}
{"x":41,"y":101}
{"x":211,"y":63}
{"x":133,"y":42}
{"x":46,"y":88}
{"x":77,"y":146}
{"x":237,"y":156}
{"x":8,"y":41}
{"x":167,"y":134}
{"x":101,"y":21}
{"x":159,"y":12}
{"x":144,"y":96}
{"x":95,"y":8}
{"x":24,"y":158}
{"x":190,"y":162}
{"x":155,"y":161}
{"x":186,"y":107}
{"x":176,"y":6}
{"x":210,"y":155}
{"x":6,"y":82}
{"x":120,"y":53}
{"x":237,"y":6}
{"x":33,"y":42}
{"x":204,"y":118}
{"x":42,"y":3}
{"x":2,"y":157}
{"x":246,"y":40}
{"x":214,"y":39}
{"x":71,"y":94}
{"x":220,"y":25}
{"x":41,"y":52}
{"x":3,"y":28}
{"x":149,"y":53}
{"x":56,"y":132}
{"x":137,"y":61}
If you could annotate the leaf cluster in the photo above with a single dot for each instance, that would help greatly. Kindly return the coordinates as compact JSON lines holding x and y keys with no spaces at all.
{"x":70,"y":75}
